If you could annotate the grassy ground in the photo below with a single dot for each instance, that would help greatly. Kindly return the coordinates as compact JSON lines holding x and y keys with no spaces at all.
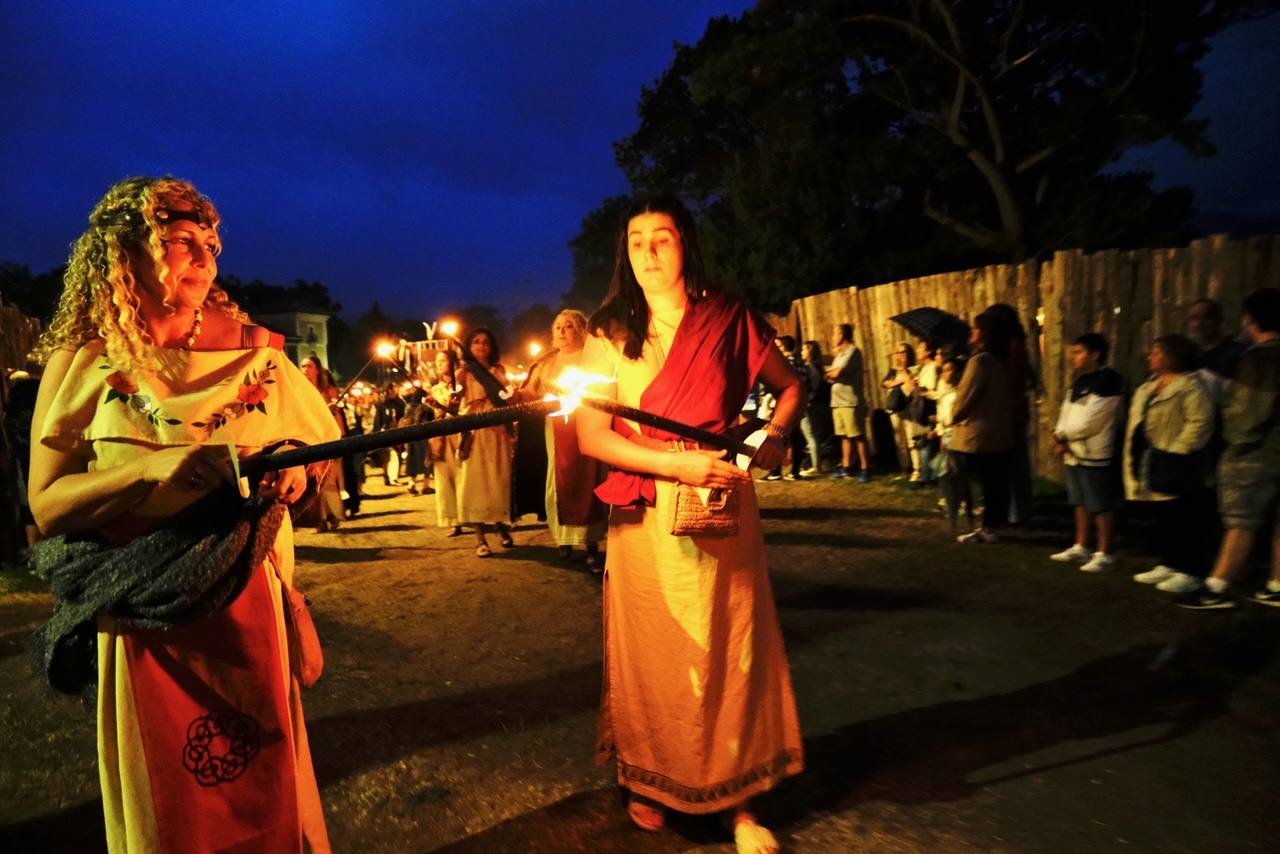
{"x":953,"y":698}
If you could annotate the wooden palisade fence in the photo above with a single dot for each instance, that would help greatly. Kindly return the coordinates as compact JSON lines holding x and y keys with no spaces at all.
{"x":1131,"y":297}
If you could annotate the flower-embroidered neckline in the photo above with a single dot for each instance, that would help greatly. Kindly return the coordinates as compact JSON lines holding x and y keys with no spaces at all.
{"x":122,"y":388}
{"x":251,"y":397}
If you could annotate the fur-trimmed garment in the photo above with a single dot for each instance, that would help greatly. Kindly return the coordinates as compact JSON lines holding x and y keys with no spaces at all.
{"x":199,"y":562}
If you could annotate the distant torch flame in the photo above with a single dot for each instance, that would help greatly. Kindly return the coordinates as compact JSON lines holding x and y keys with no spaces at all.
{"x":574,"y":385}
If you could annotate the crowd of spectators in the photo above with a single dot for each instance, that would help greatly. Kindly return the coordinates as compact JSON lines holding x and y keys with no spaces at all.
{"x":1191,"y":451}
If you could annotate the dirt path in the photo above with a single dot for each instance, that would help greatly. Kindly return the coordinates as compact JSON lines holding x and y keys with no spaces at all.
{"x":953,"y":698}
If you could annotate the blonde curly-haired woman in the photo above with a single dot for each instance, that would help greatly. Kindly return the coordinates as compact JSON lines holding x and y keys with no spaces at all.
{"x":151,"y":371}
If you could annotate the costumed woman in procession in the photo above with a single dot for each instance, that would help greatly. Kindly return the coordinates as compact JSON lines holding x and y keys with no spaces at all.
{"x":697,"y":708}
{"x":151,"y":372}
{"x":329,"y":508}
{"x":445,"y":397}
{"x":575,"y":516}
{"x":484,"y":479}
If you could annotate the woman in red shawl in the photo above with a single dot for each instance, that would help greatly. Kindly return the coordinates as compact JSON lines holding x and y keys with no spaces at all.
{"x":697,"y":705}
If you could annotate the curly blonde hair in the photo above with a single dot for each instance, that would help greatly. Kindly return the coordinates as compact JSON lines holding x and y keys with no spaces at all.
{"x":99,"y":290}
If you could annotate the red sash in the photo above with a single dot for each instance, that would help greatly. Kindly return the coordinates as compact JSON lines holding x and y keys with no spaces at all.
{"x":576,"y":475}
{"x":215,"y":723}
{"x":718,"y":351}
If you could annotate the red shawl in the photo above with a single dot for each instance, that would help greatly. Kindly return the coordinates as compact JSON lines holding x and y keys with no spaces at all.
{"x":576,"y":474}
{"x":718,"y":351}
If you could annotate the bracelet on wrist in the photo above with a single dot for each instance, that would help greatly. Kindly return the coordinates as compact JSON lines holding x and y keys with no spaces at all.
{"x":776,"y":431}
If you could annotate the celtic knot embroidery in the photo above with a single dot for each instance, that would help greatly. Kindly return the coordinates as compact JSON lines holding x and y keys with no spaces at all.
{"x":220,"y":746}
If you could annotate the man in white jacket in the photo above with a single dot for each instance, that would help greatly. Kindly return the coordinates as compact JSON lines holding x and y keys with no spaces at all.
{"x":1085,"y":437}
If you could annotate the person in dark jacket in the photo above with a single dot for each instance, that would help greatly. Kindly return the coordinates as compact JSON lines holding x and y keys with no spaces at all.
{"x":1249,"y":472}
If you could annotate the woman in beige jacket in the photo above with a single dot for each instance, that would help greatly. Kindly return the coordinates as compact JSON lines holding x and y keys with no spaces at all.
{"x":1174,"y":413}
{"x":982,"y":432}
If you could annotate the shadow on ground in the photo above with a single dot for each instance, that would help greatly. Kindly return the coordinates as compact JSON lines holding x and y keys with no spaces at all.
{"x":933,"y":753}
{"x":819,"y":514}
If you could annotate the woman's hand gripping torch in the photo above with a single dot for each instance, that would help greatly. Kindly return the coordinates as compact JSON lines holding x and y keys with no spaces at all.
{"x":576,"y":387}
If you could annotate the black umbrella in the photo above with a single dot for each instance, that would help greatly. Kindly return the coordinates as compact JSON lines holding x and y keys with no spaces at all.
{"x":933,"y":325}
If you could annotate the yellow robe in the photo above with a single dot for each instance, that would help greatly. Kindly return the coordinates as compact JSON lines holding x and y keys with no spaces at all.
{"x":251,"y":398}
{"x":697,"y":706}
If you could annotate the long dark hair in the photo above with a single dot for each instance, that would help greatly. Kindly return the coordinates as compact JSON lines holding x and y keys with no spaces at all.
{"x":495,"y":352}
{"x":995,"y":334}
{"x":624,"y":313}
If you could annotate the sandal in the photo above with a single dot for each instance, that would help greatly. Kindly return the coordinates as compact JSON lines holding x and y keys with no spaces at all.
{"x":456,"y":532}
{"x":646,"y":814}
{"x":594,"y":563}
{"x":483,"y":551}
{"x":504,"y":537}
{"x":749,"y":836}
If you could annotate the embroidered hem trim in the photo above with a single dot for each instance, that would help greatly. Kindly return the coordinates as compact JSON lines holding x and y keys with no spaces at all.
{"x":767,"y":773}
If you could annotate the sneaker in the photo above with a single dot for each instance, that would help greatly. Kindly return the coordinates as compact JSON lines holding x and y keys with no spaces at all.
{"x":810,"y":471}
{"x":791,"y":477}
{"x":840,"y":472}
{"x":1098,"y":563}
{"x":1205,"y":599}
{"x":1269,"y":595}
{"x":1179,"y":582}
{"x":979,"y":536}
{"x":1155,"y":575}
{"x":773,"y":477}
{"x":864,"y":477}
{"x":1076,"y":552}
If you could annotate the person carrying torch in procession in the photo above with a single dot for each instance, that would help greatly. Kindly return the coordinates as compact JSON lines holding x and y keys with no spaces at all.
{"x":698,"y":708}
{"x":575,"y":516}
{"x":153,"y":378}
{"x":484,"y":478}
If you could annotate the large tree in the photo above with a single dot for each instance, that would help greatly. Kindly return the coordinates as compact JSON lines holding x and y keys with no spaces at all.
{"x":827,"y":142}
{"x":593,"y":254}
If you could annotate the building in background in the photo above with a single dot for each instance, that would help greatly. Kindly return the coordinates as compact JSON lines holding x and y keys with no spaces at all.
{"x":305,"y":332}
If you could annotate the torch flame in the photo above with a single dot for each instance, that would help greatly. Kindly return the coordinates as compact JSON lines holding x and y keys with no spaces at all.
{"x":574,"y":385}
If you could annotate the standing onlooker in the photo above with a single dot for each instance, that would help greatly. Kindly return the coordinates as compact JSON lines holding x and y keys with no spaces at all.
{"x":923,"y":408}
{"x":795,"y":452}
{"x":1021,"y":382}
{"x":900,"y":383}
{"x":956,"y":488}
{"x":1249,"y":474}
{"x":1170,"y":422}
{"x":1085,"y":437}
{"x":981,"y":427}
{"x":1218,"y":353}
{"x":847,"y":407}
{"x":816,"y":424}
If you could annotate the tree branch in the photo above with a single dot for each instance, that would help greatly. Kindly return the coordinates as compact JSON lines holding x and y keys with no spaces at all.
{"x":1031,"y":160}
{"x":980,"y":236}
{"x":988,"y":109}
{"x":1007,"y":37}
{"x":1135,"y":62}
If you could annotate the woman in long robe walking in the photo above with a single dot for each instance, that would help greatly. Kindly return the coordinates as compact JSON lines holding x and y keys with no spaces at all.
{"x":697,"y":707}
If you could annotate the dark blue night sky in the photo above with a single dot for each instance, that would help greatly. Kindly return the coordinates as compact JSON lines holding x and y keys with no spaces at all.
{"x":423,"y":154}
